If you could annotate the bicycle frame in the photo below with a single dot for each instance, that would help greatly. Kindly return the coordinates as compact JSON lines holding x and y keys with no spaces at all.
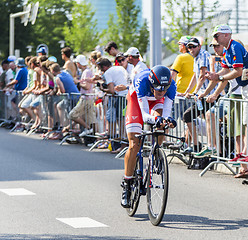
{"x":155,"y":145}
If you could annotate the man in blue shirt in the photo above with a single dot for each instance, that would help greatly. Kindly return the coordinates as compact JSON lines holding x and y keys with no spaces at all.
{"x":20,"y":80}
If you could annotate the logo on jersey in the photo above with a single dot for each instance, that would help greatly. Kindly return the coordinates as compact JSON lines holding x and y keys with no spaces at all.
{"x":234,"y":58}
{"x":134,"y":117}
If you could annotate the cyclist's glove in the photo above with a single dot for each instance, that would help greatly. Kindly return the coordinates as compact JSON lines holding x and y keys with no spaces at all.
{"x":159,"y":121}
{"x":171,"y":120}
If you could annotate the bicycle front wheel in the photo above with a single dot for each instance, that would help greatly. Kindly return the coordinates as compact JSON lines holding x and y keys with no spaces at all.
{"x":135,"y":190}
{"x":157,"y":186}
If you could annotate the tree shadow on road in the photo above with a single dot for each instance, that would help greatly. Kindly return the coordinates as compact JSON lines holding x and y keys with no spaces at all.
{"x":190,"y":222}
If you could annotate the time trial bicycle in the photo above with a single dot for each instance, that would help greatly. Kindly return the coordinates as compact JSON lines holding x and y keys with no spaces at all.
{"x":151,"y":180}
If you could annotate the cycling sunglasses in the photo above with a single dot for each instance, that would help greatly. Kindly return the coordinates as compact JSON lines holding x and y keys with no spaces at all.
{"x":160,"y":88}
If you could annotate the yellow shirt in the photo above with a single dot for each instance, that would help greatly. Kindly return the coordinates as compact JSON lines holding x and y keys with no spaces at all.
{"x":183,"y":64}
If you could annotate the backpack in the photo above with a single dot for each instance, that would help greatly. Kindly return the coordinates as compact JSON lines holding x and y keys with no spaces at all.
{"x":199,"y":163}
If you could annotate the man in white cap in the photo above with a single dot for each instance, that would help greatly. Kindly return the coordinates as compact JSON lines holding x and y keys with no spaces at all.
{"x":133,"y":57}
{"x":234,"y":66}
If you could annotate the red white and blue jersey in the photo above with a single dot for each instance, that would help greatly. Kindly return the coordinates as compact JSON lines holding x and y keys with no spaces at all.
{"x":235,"y":56}
{"x":142,"y":100}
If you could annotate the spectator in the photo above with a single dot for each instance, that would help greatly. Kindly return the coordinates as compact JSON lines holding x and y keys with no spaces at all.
{"x":235,"y":64}
{"x":122,"y":60}
{"x":42,"y":51}
{"x":215,"y":66}
{"x":201,"y":65}
{"x":20,"y":81}
{"x":93,"y":57}
{"x":112,"y":49}
{"x":65,"y":84}
{"x":24,"y":104}
{"x":182,"y":68}
{"x":84,"y":112}
{"x":7,"y":74}
{"x":114,"y":76}
{"x":39,"y":80}
{"x":69,"y":66}
{"x":133,"y":57}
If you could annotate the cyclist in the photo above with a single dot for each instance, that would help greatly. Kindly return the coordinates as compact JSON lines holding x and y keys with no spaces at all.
{"x":150,"y":100}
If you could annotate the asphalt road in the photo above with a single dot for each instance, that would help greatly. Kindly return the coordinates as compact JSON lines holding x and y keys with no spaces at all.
{"x":49,"y":191}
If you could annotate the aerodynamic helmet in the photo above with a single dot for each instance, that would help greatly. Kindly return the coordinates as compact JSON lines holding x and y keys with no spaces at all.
{"x":160,"y":78}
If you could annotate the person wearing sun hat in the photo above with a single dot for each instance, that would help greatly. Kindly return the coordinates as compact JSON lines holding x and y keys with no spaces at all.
{"x":182,"y":68}
{"x":234,"y":66}
{"x":20,"y":80}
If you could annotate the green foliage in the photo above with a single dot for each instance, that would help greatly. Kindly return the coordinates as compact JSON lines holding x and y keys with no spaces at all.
{"x":21,"y":32}
{"x":126,"y":30}
{"x":49,"y":25}
{"x":180,"y":18}
{"x":81,"y":33}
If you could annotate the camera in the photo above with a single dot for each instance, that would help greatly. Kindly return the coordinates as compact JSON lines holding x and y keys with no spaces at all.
{"x":217,"y":59}
{"x":104,"y":85}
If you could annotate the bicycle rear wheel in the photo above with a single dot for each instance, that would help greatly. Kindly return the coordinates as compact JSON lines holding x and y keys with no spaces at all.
{"x":135,"y":190}
{"x":157,"y":187}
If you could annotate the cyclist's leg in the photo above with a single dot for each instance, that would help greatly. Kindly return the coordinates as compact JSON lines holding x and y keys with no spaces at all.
{"x":134,"y":124}
{"x":130,"y":156}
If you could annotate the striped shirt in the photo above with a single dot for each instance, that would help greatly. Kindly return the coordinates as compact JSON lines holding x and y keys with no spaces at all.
{"x":202,"y":60}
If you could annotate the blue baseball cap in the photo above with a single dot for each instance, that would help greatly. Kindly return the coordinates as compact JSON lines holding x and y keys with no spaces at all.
{"x":42,"y":50}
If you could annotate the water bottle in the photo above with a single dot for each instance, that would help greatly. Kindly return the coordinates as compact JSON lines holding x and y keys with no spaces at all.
{"x":199,"y":104}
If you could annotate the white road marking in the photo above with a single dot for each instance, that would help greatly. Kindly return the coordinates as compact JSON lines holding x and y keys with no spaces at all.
{"x":81,"y":222}
{"x":16,"y":191}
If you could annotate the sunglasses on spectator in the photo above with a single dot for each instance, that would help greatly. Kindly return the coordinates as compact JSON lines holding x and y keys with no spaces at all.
{"x":192,"y":46}
{"x":121,"y":60}
{"x":216,"y":36}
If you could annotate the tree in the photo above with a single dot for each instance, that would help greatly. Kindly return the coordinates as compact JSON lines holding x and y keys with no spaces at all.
{"x":180,"y":18}
{"x":126,"y":30}
{"x":49,"y":25}
{"x":82,"y":34}
{"x":22,"y":33}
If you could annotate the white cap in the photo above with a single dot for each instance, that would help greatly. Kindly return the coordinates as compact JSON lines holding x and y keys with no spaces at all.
{"x":133,"y":51}
{"x":223,"y":28}
{"x":82,"y":60}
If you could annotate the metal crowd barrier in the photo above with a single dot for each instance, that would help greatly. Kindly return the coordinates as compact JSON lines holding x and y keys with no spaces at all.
{"x":109,"y":112}
{"x":226,"y":134}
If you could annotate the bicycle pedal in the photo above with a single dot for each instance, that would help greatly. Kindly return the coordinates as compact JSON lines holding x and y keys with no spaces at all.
{"x":143,"y":191}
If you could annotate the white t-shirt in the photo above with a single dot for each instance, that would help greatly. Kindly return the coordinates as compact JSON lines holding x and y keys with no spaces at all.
{"x":233,"y":83}
{"x":129,"y":70}
{"x":86,"y":75}
{"x":117,"y":75}
{"x":138,"y":68}
{"x":9,"y":76}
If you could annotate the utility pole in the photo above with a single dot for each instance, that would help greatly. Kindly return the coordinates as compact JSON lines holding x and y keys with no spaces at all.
{"x":155,"y":34}
{"x":27,"y":17}
{"x":12,"y":17}
{"x":237,"y":16}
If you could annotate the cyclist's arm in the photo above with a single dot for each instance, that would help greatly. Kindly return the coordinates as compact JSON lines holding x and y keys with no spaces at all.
{"x":144,"y":107}
{"x":167,"y":107}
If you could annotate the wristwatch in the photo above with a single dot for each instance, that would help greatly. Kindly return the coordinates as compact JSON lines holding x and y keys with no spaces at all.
{"x":221,"y":78}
